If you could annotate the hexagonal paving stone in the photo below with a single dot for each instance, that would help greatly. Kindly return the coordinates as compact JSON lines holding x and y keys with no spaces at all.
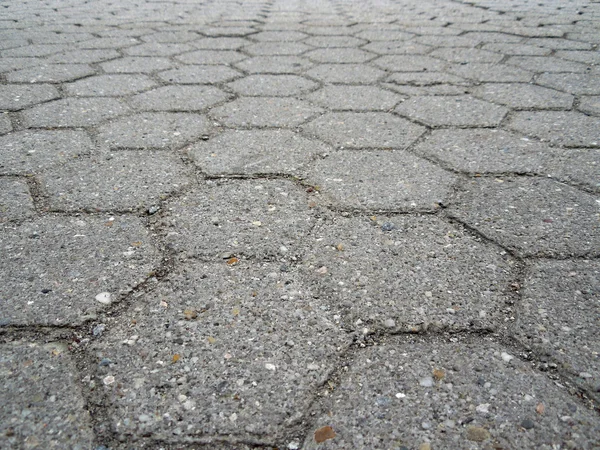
{"x":590,"y":105}
{"x":573,"y":83}
{"x":558,"y":314}
{"x":279,"y":36}
{"x":407,"y":273}
{"x":136,"y":64}
{"x":45,"y":375}
{"x":84,"y":56}
{"x":5,"y":124}
{"x":516,"y":49}
{"x":179,"y":98}
{"x":260,"y":218}
{"x":74,"y":112}
{"x":459,"y":394}
{"x":587,"y":57}
{"x":334,"y":41}
{"x":425,"y":79}
{"x":211,"y":57}
{"x":122,"y":181}
{"x":384,"y":35}
{"x":277,"y":48}
{"x":339,"y":55}
{"x":237,"y":336}
{"x":531,"y":216}
{"x":109,"y":85}
{"x":15,"y":200}
{"x":205,"y":74}
{"x":53,"y":269}
{"x":484,"y":151}
{"x":220,"y":43}
{"x":272,"y":85}
{"x":264,"y":112}
{"x":345,"y":73}
{"x":157,"y":49}
{"x":459,"y":110}
{"x":365,"y":130}
{"x":50,"y":73}
{"x":170,"y":36}
{"x":381,"y":180}
{"x":524,"y":96}
{"x":28,"y":152}
{"x":274,"y":64}
{"x":14,"y":97}
{"x":576,"y":165}
{"x":492,"y":73}
{"x":466,"y":55}
{"x":34,"y":50}
{"x":255,"y":152}
{"x":355,"y":98}
{"x":154,"y":130}
{"x":409,"y":63}
{"x":397,"y":48}
{"x":547,"y":64}
{"x":568,"y":128}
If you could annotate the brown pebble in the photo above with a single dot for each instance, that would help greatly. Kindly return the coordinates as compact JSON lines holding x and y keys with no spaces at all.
{"x":477,"y":434}
{"x":425,"y":446}
{"x":323,"y":434}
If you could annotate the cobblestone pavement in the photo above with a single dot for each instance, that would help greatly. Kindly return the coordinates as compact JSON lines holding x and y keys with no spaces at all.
{"x":299,"y":224}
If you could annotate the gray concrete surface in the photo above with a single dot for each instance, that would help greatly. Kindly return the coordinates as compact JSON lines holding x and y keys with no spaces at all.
{"x":300,"y":224}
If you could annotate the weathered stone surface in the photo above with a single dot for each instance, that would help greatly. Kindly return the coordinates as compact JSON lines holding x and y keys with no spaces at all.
{"x":28,"y":152}
{"x":261,"y":218}
{"x":523,"y":96}
{"x":40,"y":382}
{"x":109,"y":85}
{"x":179,"y":98}
{"x":558,"y":313}
{"x":121,"y":181}
{"x":345,"y":73}
{"x":5,"y":124}
{"x":264,"y":112}
{"x":135,"y":64}
{"x":461,"y":111}
{"x":364,"y":130}
{"x":531,"y":216}
{"x":14,"y":97}
{"x":15,"y":200}
{"x":355,"y":98}
{"x":460,"y":393}
{"x":50,"y":73}
{"x":573,"y":83}
{"x":568,"y":128}
{"x":381,"y":180}
{"x":253,"y":152}
{"x":74,"y":112}
{"x":590,"y":105}
{"x":418,"y":271}
{"x":205,"y":74}
{"x":154,"y":130}
{"x":272,"y":85}
{"x":53,"y":269}
{"x":274,"y":64}
{"x":232,"y":349}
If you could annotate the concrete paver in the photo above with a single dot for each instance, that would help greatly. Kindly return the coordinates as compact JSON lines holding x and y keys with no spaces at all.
{"x":299,"y":225}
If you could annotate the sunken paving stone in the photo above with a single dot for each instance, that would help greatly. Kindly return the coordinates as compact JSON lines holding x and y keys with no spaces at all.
{"x":200,"y":74}
{"x":364,"y":130}
{"x":264,"y":112}
{"x":259,"y":218}
{"x":65,"y":270}
{"x":355,"y":98}
{"x":274,"y":64}
{"x":134,"y":64}
{"x":74,"y":112}
{"x":29,"y":152}
{"x":272,"y":85}
{"x":153,"y":130}
{"x":252,"y":152}
{"x":43,"y":406}
{"x":531,"y":216}
{"x":50,"y":73}
{"x":381,"y":180}
{"x":484,"y":151}
{"x":109,"y":85}
{"x":461,"y":111}
{"x":407,"y":273}
{"x":121,"y":181}
{"x":14,"y":97}
{"x":465,"y":394}
{"x":568,"y":128}
{"x":179,"y":98}
{"x":573,"y":83}
{"x":15,"y":200}
{"x":235,"y":339}
{"x":345,"y":73}
{"x":590,"y":105}
{"x":523,"y":96}
{"x":558,"y":316}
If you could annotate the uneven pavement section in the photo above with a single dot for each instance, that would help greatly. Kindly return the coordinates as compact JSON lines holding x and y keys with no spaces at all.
{"x":299,"y":225}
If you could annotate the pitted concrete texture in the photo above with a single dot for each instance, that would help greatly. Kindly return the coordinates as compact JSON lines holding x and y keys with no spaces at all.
{"x":279,"y":224}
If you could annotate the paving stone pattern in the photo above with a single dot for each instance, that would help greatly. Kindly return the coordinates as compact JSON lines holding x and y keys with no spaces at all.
{"x":326,"y":224}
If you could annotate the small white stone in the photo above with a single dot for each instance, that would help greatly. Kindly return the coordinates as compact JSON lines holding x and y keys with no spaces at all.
{"x":233,"y":417}
{"x":104,"y":298}
{"x":400,"y":395}
{"x":270,"y":366}
{"x":109,"y":379}
{"x":182,"y":398}
{"x":390,"y":323}
{"x":506,"y":357}
{"x":484,"y":408}
{"x":426,"y":382}
{"x":294,"y":445}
